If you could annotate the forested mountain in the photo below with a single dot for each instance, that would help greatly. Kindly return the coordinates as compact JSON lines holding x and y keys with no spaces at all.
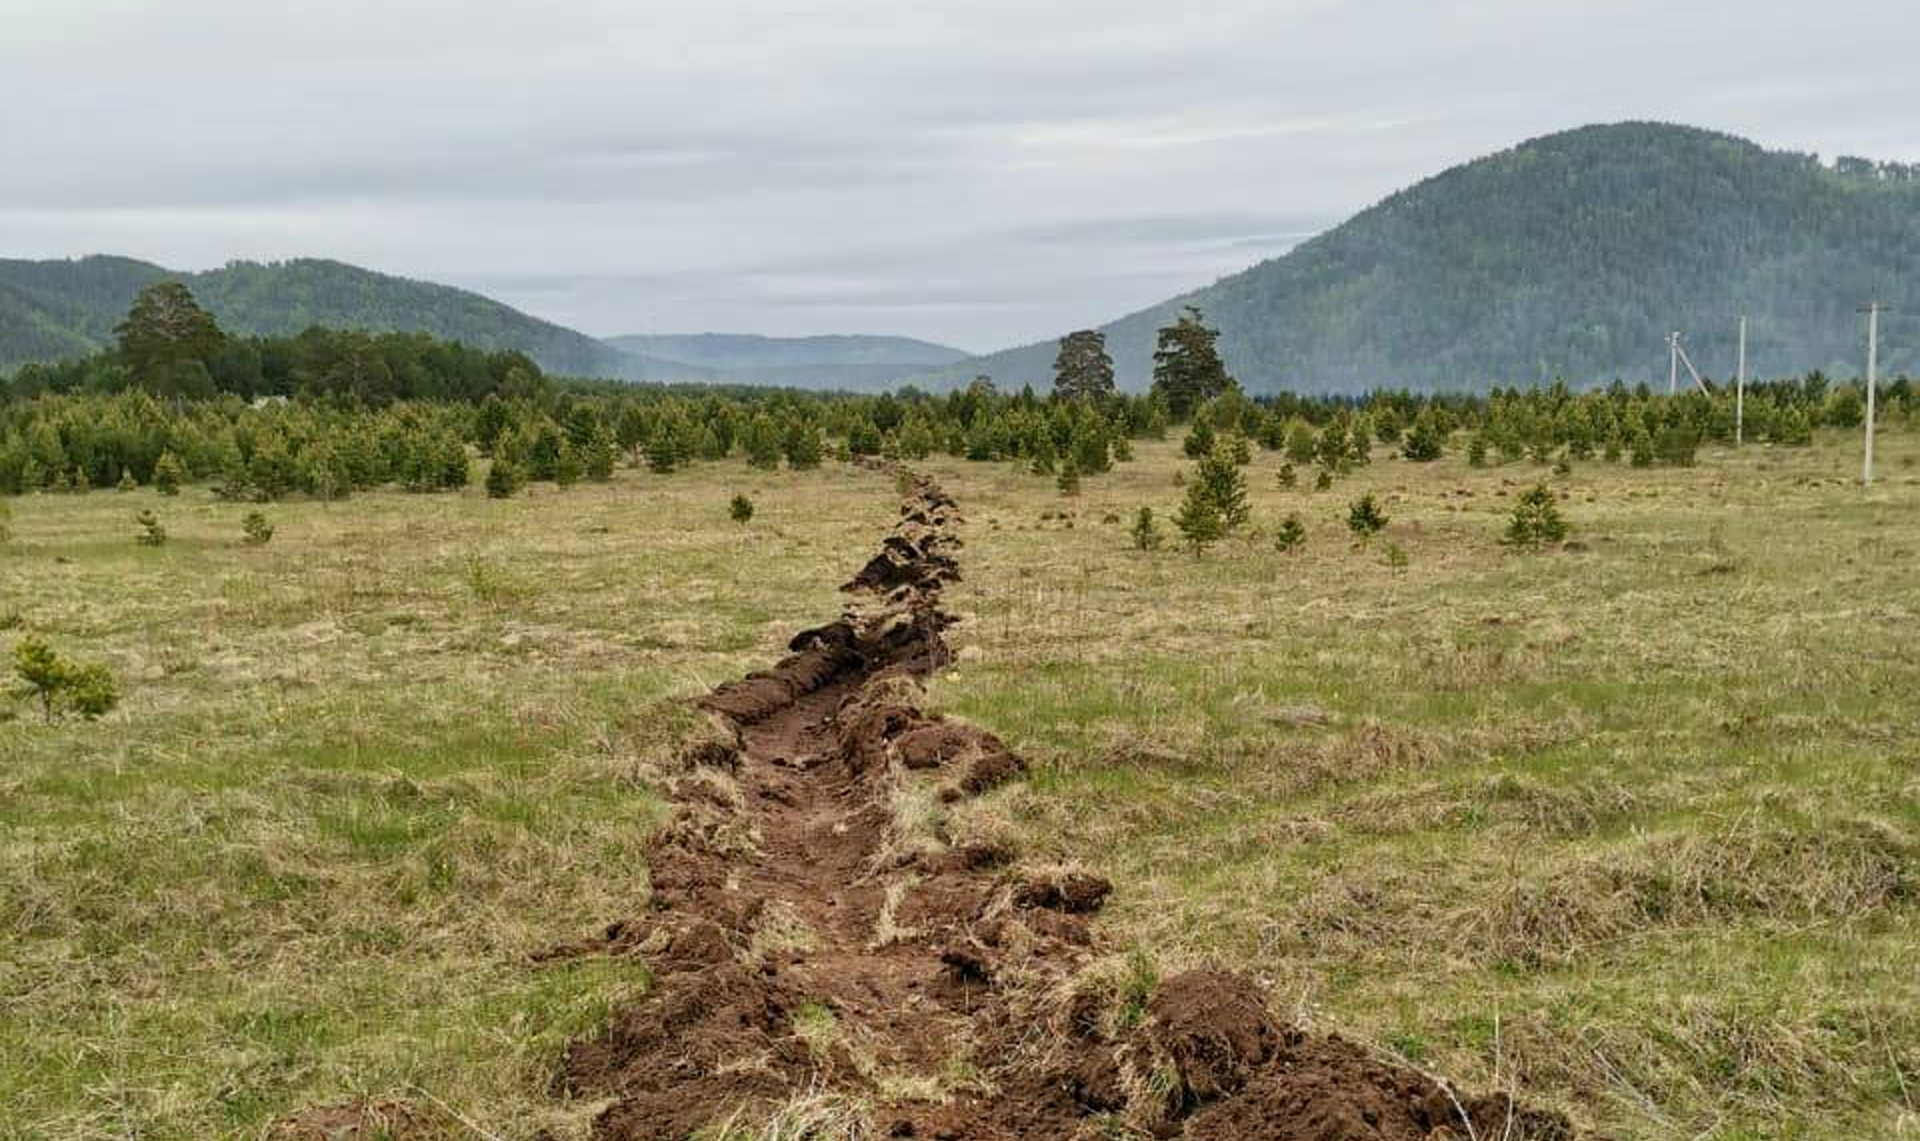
{"x":832,"y":361}
{"x":55,"y":309}
{"x":50,"y":310}
{"x":1570,"y":256}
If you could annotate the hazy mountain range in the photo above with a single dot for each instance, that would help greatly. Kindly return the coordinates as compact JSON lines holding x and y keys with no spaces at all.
{"x":810,"y":362}
{"x":55,"y":309}
{"x":1569,"y":256}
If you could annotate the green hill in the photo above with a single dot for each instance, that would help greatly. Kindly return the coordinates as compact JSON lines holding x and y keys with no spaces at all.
{"x":1570,"y":256}
{"x":809,"y":362}
{"x":53,"y":309}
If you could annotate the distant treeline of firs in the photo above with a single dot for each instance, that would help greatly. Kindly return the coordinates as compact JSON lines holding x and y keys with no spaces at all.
{"x":327,"y":413}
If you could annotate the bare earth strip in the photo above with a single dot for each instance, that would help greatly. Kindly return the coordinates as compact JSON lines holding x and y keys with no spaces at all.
{"x":825,"y":966}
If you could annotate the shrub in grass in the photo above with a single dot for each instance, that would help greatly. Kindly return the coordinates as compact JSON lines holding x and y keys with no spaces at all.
{"x":1640,"y":448}
{"x":1426,"y":439}
{"x":152,"y":533}
{"x":1302,"y":445}
{"x":1219,"y":479}
{"x":258,"y":531}
{"x":1287,"y":477}
{"x":127,"y":482}
{"x":1791,"y":428}
{"x":1323,"y":479}
{"x":1536,"y":519}
{"x":503,"y":479}
{"x":600,"y":455}
{"x":741,"y":509}
{"x":803,"y":446}
{"x":1069,"y":479}
{"x":1291,"y":534}
{"x":1199,"y":519}
{"x":61,"y":686}
{"x":568,"y":468}
{"x":1336,"y":452}
{"x":1676,"y":445}
{"x":1364,"y":517}
{"x":1199,"y":441}
{"x":1146,"y":533}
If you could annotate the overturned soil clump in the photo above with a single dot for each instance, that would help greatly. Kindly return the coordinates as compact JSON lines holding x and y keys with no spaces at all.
{"x":822,"y":952}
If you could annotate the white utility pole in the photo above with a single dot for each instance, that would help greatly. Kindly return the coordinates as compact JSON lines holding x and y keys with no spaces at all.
{"x":1740,"y":391}
{"x":1673,"y":363}
{"x":1873,"y":369}
{"x":1691,"y":371}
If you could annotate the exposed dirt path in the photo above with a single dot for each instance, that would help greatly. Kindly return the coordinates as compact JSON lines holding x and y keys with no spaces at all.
{"x":824,"y":953}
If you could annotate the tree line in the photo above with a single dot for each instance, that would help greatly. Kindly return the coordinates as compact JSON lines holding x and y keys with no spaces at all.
{"x":328,"y":413}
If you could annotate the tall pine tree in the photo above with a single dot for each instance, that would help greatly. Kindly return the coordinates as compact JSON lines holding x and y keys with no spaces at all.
{"x":1083,"y":368}
{"x":1187,"y":369}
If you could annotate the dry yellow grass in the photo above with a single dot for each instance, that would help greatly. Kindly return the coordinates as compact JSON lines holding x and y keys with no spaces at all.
{"x":1633,"y":823}
{"x":359,"y":774}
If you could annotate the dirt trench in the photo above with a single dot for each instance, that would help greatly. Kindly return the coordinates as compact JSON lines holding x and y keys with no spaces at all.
{"x":822,"y":961}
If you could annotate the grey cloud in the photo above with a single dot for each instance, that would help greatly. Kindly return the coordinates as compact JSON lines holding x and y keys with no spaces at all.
{"x":984,"y":172}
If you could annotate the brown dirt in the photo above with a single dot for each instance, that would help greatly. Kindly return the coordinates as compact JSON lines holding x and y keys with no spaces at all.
{"x":361,"y":1120}
{"x":800,"y":947}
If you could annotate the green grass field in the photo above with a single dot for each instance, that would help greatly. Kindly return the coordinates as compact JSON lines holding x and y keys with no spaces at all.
{"x":1634,"y":825}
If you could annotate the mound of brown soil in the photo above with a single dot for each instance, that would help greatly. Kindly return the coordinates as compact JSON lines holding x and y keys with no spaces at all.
{"x":797,"y":950}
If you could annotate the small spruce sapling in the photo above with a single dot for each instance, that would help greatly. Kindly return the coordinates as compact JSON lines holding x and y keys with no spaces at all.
{"x":1221,"y":480}
{"x":1640,"y":448}
{"x":258,"y":531}
{"x":1426,"y":440}
{"x":1146,"y":534}
{"x":1364,"y":517}
{"x":61,"y":686}
{"x":1536,"y":520}
{"x":503,"y":479}
{"x":1323,"y":479}
{"x":1199,"y":519}
{"x":568,"y":468}
{"x":1291,"y":534}
{"x":741,"y":509}
{"x":1287,"y":477}
{"x":602,"y":453}
{"x":1200,"y":440}
{"x":152,"y":533}
{"x":1069,"y":479}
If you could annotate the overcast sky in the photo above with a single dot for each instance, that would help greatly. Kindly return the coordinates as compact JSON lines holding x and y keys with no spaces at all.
{"x":980,"y":172}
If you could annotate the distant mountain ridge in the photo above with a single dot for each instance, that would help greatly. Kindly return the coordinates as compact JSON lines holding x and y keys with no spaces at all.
{"x":55,"y":309}
{"x":50,"y":310}
{"x":842,"y":360}
{"x":1570,"y":256}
